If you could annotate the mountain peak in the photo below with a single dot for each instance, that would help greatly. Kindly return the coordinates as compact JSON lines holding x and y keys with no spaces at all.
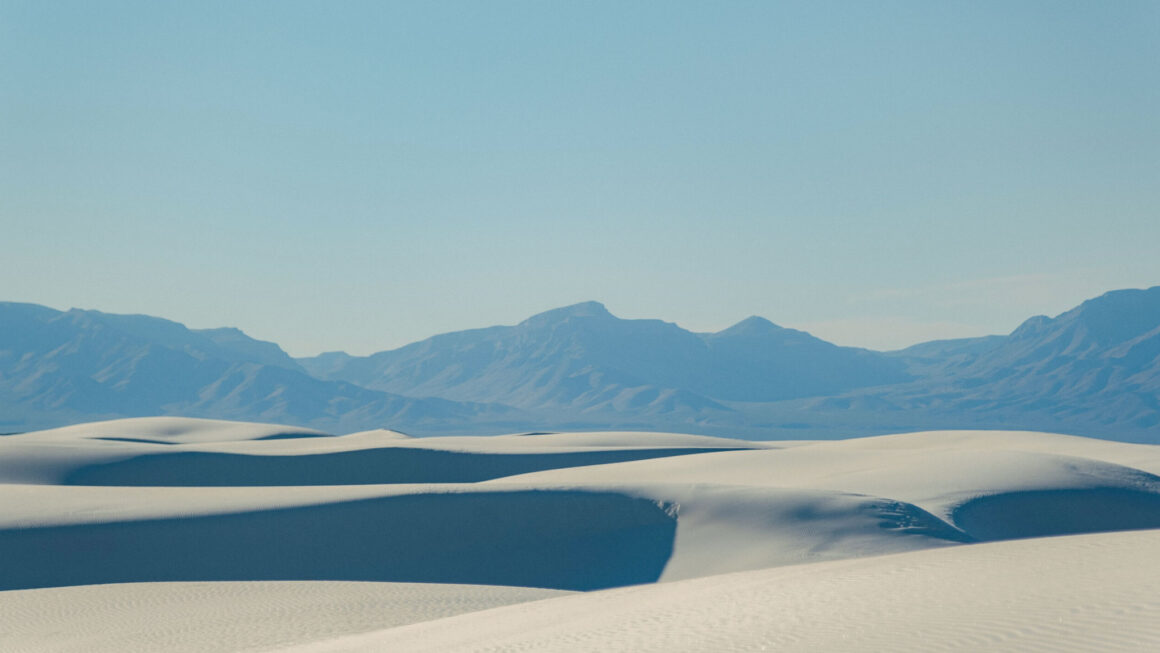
{"x":752,"y":325}
{"x":1129,"y":300}
{"x":1111,"y":318}
{"x":224,"y":331}
{"x":583,"y":309}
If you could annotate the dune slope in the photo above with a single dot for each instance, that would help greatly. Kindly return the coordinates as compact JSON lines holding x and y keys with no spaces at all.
{"x":238,"y":509}
{"x":227,"y":616}
{"x":1079,"y":593}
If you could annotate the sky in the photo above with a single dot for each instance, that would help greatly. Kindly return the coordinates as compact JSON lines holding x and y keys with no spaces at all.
{"x":360,"y":175}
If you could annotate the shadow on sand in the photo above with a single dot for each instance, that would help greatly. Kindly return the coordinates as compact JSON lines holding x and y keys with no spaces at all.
{"x":553,"y":539}
{"x":361,"y":467}
{"x":1057,"y":512}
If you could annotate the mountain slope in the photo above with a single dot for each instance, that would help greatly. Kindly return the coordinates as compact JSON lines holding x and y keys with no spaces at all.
{"x":1093,"y":370}
{"x":1096,"y":366}
{"x":57,"y":367}
{"x":237,"y":343}
{"x":579,"y":358}
{"x":582,"y":357}
{"x":756,"y":360}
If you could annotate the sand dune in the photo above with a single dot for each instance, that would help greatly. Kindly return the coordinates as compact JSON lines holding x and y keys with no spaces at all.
{"x":555,"y":539}
{"x":170,"y":430}
{"x":161,"y":501}
{"x":242,"y":616}
{"x":989,"y":485}
{"x":1078,"y":593}
{"x":198,"y":453}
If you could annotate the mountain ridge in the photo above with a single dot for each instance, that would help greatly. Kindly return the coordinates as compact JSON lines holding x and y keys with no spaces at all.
{"x":550,"y":359}
{"x":1092,"y":370}
{"x":77,"y":364}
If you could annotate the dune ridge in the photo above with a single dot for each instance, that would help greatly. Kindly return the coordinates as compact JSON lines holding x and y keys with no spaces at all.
{"x":166,"y":502}
{"x":1076,"y":593}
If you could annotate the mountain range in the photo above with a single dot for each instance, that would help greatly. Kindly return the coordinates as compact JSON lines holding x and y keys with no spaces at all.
{"x":1093,"y":370}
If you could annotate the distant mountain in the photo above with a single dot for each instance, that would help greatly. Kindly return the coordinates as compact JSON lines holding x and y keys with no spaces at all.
{"x":1097,"y":363}
{"x":757,"y":361}
{"x":57,"y":367}
{"x":1094,"y":370}
{"x":1119,"y":330}
{"x":324,"y":364}
{"x":245,"y":348}
{"x":583,"y":359}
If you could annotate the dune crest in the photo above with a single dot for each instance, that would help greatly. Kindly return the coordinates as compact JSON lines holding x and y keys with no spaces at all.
{"x":168,"y":500}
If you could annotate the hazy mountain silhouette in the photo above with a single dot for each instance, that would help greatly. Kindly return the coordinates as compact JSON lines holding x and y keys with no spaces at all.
{"x":1094,"y":370}
{"x":245,"y":348}
{"x":1099,"y":362}
{"x":583,"y":358}
{"x":756,"y":360}
{"x":57,"y":367}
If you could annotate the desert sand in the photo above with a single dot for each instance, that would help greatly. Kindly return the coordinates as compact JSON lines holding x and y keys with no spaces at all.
{"x":185,"y":534}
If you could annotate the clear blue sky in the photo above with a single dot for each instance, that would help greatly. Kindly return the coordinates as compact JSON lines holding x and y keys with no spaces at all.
{"x":361,"y":175}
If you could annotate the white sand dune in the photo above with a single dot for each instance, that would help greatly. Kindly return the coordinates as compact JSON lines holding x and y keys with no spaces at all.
{"x":1074,"y":593}
{"x":535,"y":538}
{"x":171,"y":430}
{"x":225,"y":616}
{"x":160,"y":501}
{"x":124,"y":453}
{"x":990,"y":485}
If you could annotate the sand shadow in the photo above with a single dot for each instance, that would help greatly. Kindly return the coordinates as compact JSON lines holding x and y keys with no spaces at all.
{"x":1057,"y":512}
{"x":553,"y":539}
{"x":362,"y":467}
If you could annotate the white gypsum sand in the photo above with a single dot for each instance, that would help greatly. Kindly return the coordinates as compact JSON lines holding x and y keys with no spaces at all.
{"x":227,"y":616}
{"x":130,"y":512}
{"x":1092,"y":592}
